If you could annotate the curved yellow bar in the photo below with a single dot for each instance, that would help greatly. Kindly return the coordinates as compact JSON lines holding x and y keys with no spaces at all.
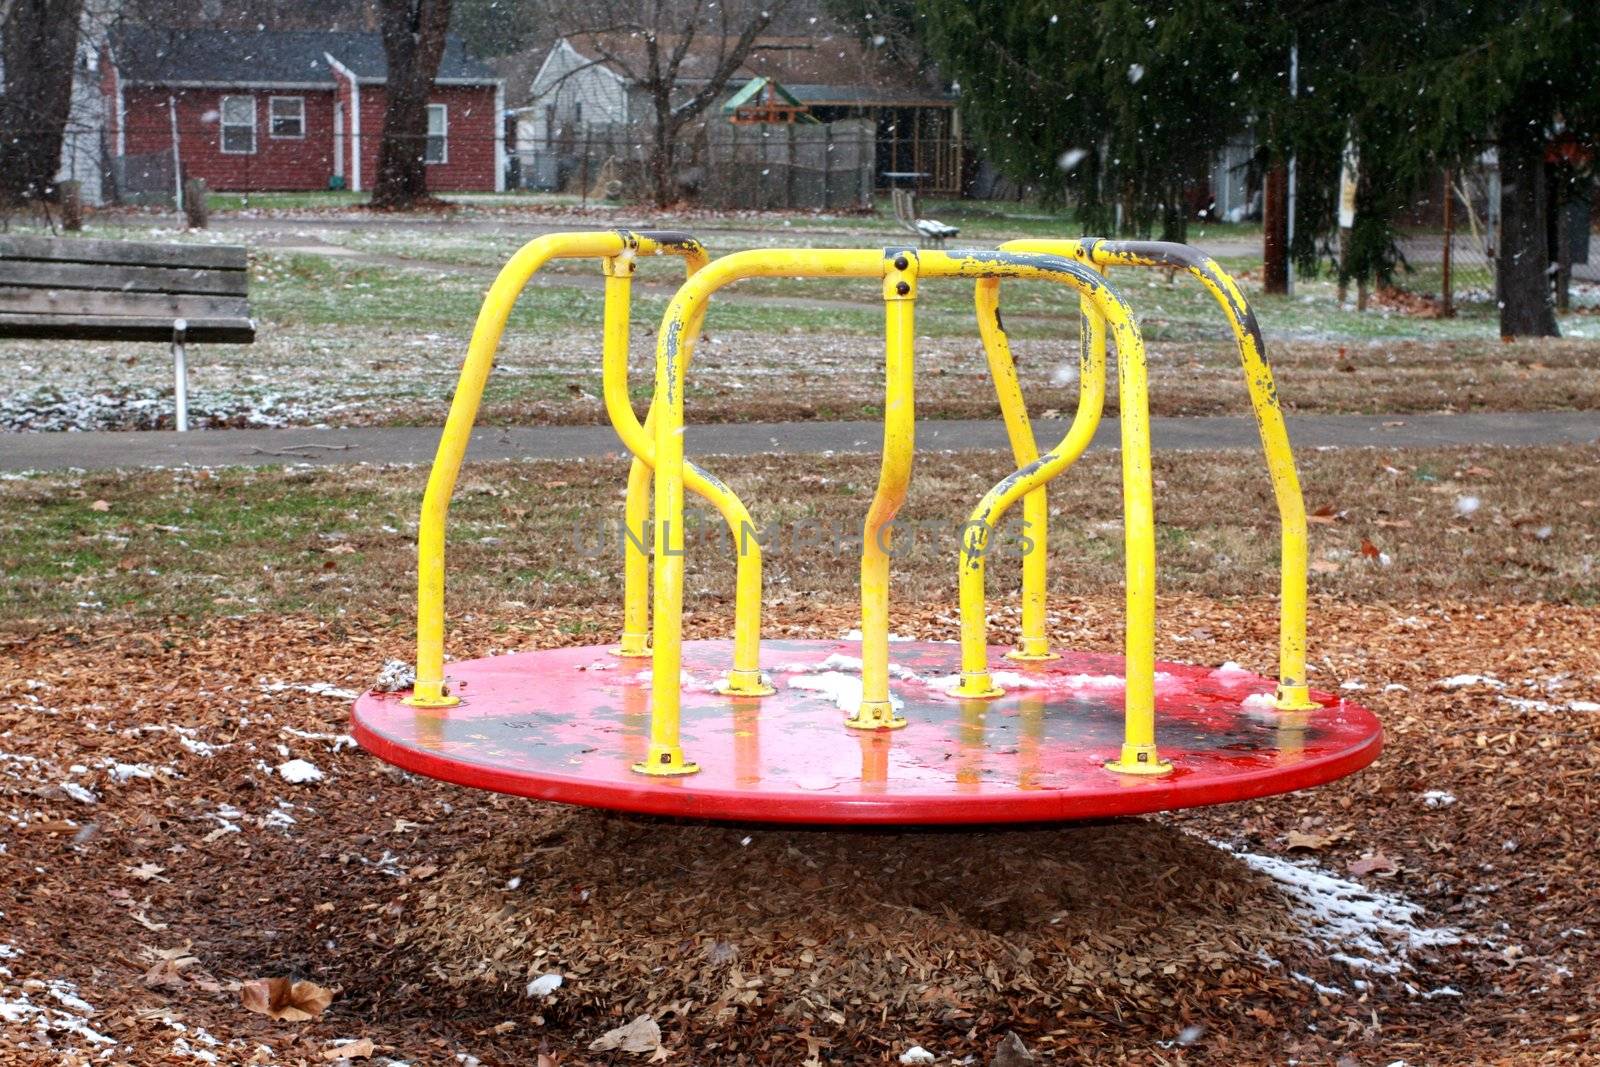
{"x":1033,"y":643}
{"x":428,"y":690}
{"x":744,"y":678}
{"x":1028,"y":483}
{"x":1293,"y":692}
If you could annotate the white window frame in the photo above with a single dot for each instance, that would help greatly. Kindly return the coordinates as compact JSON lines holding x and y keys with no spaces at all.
{"x":223,"y":124}
{"x":272,"y":118}
{"x":443,"y":135}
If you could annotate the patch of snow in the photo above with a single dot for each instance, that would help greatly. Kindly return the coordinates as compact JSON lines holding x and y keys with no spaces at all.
{"x":917,"y":1054}
{"x":338,"y":740}
{"x":1438,"y":798}
{"x":1462,"y":681}
{"x":544,"y":985}
{"x":855,"y":635}
{"x":79,"y":793}
{"x":316,"y":689}
{"x":1366,"y":928}
{"x":299,"y":772}
{"x":843,"y":689}
{"x":123,"y":772}
{"x":395,"y":676}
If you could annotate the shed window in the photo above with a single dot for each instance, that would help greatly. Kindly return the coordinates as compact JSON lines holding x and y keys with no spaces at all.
{"x":288,"y":115}
{"x":437,"y":150}
{"x":239,"y":125}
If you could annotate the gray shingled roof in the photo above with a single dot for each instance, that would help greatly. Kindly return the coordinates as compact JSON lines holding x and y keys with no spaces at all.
{"x":288,"y":57}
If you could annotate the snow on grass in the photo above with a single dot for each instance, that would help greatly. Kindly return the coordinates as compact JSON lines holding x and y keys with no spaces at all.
{"x":1364,"y":928}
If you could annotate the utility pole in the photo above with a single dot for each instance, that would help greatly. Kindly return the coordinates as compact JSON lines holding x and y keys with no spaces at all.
{"x":1294,"y":93}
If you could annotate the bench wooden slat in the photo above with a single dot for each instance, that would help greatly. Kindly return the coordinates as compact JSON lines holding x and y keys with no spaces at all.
{"x":43,"y":274}
{"x":131,"y":253}
{"x":76,"y":303}
{"x":123,"y":328}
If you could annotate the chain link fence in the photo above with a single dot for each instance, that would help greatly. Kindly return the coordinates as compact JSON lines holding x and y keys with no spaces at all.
{"x":1446,"y":249}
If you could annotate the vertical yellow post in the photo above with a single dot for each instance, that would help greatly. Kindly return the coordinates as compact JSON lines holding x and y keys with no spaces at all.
{"x":1138,"y":754}
{"x":894,"y":476}
{"x":665,"y":754}
{"x":635,"y":641}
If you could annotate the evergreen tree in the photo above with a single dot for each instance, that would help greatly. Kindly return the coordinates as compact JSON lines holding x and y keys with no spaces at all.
{"x":1117,"y":103}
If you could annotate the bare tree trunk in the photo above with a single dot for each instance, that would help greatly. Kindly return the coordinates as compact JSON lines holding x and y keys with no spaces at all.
{"x":40,"y":50}
{"x":1523,"y":266}
{"x":413,"y":43}
{"x":662,"y":155}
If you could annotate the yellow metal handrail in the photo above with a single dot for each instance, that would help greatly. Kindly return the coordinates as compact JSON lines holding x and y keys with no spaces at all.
{"x":900,"y":270}
{"x":1293,"y":692}
{"x":429,"y":688}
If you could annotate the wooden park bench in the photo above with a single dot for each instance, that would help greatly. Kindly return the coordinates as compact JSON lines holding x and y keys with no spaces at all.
{"x":931,"y":233}
{"x":87,"y":290}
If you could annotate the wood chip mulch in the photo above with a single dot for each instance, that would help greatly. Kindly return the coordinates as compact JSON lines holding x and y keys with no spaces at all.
{"x":161,"y":853}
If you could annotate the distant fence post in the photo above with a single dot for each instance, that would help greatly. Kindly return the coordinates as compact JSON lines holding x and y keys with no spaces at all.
{"x":1446,"y":290}
{"x":70,"y":194}
{"x":827,"y":165}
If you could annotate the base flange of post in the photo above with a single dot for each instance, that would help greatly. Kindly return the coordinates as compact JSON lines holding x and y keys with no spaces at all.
{"x":745,"y":684}
{"x":977,"y":686}
{"x":430,"y":695}
{"x":1294,"y":698}
{"x":665,"y":762}
{"x":876,"y":715}
{"x":1140,"y":759}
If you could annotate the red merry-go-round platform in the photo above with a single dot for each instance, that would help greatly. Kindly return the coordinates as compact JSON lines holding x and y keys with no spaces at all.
{"x":568,"y":724}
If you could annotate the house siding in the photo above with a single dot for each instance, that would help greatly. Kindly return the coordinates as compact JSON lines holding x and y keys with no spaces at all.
{"x":469,"y":140}
{"x":277,"y":163}
{"x":568,"y":80}
{"x":305,"y":163}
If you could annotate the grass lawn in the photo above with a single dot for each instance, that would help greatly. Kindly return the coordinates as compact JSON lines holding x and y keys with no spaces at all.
{"x":159,"y":543}
{"x":364,"y":321}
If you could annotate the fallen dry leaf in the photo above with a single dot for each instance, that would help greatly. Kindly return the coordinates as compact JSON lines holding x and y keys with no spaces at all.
{"x":167,"y":973}
{"x":1377,"y":863}
{"x":351,"y":1050}
{"x":1324,"y":566}
{"x":100,"y":505}
{"x":279,"y":998}
{"x":1298,"y":839}
{"x":641,"y":1035}
{"x":1369,"y":550}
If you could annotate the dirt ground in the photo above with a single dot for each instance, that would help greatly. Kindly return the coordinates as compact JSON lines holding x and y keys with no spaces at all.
{"x":160,"y":851}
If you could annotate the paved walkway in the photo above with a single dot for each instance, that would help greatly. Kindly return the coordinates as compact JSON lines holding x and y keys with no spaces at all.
{"x":219,"y":448}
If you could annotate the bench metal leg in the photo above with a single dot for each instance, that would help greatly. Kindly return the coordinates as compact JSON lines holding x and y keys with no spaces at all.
{"x":180,"y":375}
